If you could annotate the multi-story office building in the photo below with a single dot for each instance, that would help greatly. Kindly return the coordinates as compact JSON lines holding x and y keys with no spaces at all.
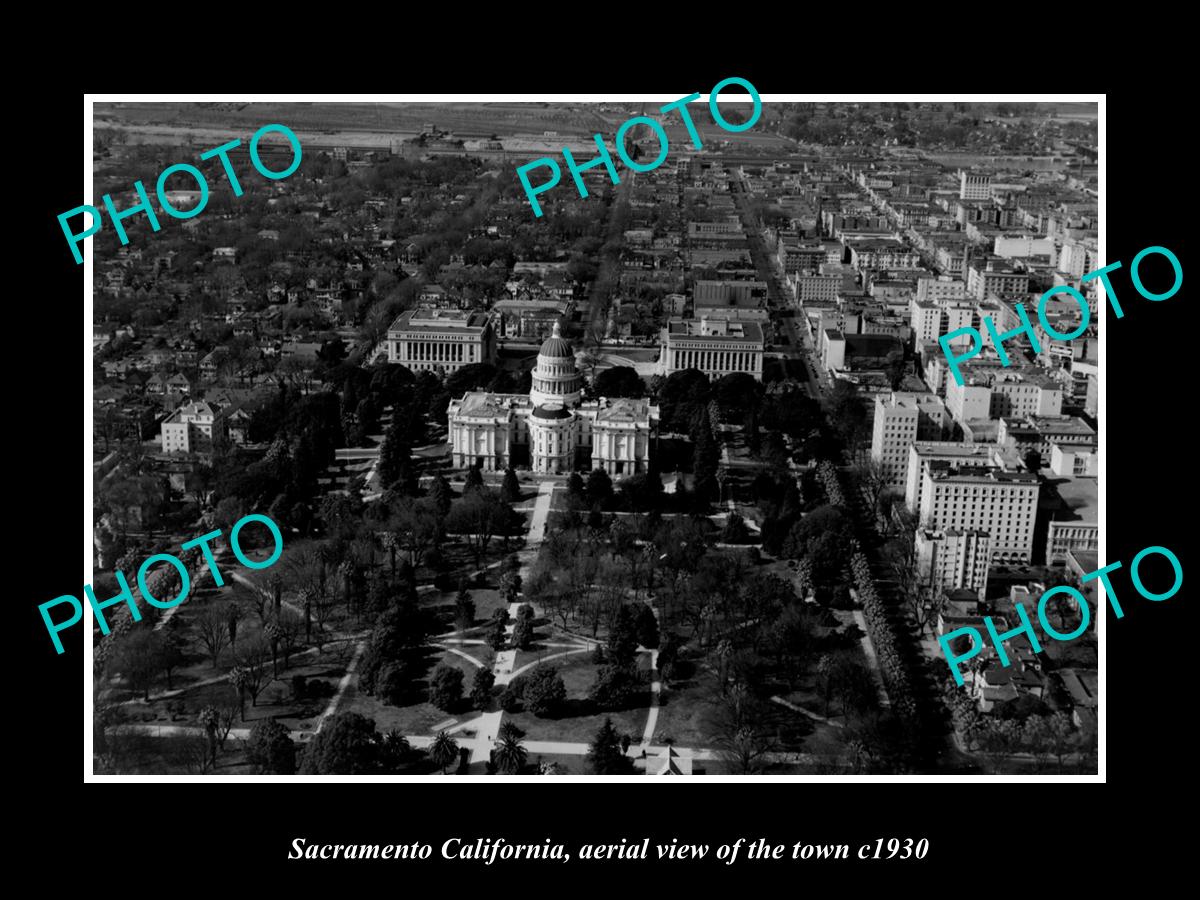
{"x":715,"y":346}
{"x":974,"y":186}
{"x":993,"y":276}
{"x":901,"y":419}
{"x":990,"y":393}
{"x":953,"y":559}
{"x":930,"y":319}
{"x":817,"y":288}
{"x":441,"y":340}
{"x":982,"y":498}
{"x":954,"y":454}
{"x":1042,"y":433}
{"x":935,"y":289}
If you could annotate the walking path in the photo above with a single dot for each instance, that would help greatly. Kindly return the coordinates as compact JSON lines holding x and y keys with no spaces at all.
{"x":869,"y":652}
{"x":812,"y":715}
{"x":342,"y":685}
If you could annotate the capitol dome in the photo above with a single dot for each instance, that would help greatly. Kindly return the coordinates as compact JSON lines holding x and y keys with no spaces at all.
{"x":555,"y":378}
{"x":556,"y":346}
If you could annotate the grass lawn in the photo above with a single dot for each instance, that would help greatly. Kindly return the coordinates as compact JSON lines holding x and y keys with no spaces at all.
{"x":682,"y":708}
{"x":580,"y":721}
{"x":539,"y":652}
{"x":418,"y":719}
{"x":487,"y":600}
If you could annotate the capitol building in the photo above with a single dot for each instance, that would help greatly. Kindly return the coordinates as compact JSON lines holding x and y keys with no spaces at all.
{"x":551,"y":430}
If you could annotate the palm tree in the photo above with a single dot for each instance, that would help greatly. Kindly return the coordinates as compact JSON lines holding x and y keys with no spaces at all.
{"x":276,"y":584}
{"x":443,"y":750}
{"x":510,"y":755}
{"x":510,"y":730}
{"x":209,"y":718}
{"x":346,"y":570}
{"x":306,"y":599}
{"x":391,"y":542}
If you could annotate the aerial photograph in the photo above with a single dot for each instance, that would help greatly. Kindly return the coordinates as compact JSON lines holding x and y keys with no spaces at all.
{"x":519,"y":438}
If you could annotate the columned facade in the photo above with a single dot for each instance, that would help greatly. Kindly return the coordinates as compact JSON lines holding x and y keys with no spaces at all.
{"x":551,"y":424}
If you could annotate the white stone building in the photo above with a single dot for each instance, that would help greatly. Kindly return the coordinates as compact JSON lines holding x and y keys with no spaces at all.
{"x":552,"y":430}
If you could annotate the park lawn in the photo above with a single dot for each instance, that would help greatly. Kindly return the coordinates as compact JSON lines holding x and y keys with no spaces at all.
{"x":682,"y":708}
{"x":553,"y":654}
{"x":480,"y":652}
{"x":454,"y":661}
{"x":487,"y":600}
{"x":418,"y":719}
{"x":581,"y":720}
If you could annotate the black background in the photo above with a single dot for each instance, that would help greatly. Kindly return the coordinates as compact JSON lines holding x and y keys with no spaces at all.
{"x":977,"y":831}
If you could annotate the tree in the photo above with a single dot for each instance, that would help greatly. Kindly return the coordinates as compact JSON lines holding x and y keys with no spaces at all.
{"x":446,"y":687}
{"x":348,"y":745}
{"x":646,"y":628}
{"x":138,"y":658}
{"x":737,"y":727}
{"x":874,"y":479}
{"x":395,"y":459}
{"x":544,"y":692}
{"x":735,"y":531}
{"x":254,"y":663}
{"x":619,"y":381}
{"x":478,"y":517}
{"x":604,"y":753}
{"x":464,"y":608}
{"x":599,"y":487}
{"x":270,"y":749}
{"x":213,"y":631}
{"x":510,"y":490}
{"x":497,"y":636}
{"x":481,"y":688}
{"x":171,"y":651}
{"x":474,"y":480}
{"x":209,"y":719}
{"x":509,"y":755}
{"x":233,"y":615}
{"x":238,"y":677}
{"x":615,"y":687}
{"x":440,"y":494}
{"x":522,"y":636}
{"x":622,"y":637}
{"x":443,"y":750}
{"x":1060,"y":735}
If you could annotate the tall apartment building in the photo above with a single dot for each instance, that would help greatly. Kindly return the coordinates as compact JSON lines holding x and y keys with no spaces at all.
{"x":934,"y":289}
{"x":441,"y":340}
{"x":953,"y":559}
{"x":189,"y":429}
{"x":930,"y":319}
{"x":998,"y":277}
{"x":715,"y":346}
{"x":900,"y":420}
{"x":974,"y":186}
{"x":1077,"y":257}
{"x":982,"y":498}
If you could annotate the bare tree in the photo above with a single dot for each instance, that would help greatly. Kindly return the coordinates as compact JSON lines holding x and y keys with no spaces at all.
{"x":743,"y":741}
{"x":214,"y":632}
{"x":873,"y":477}
{"x":254,"y":663}
{"x":922,"y":598}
